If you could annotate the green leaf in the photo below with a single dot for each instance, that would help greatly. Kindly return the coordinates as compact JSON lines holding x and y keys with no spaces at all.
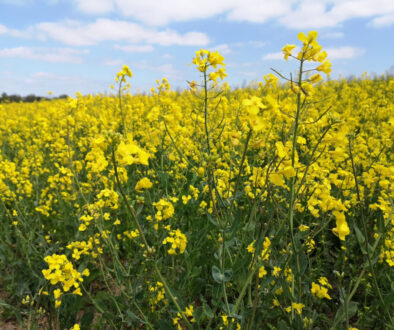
{"x":207,"y":311}
{"x":340,"y":315}
{"x":303,"y":263}
{"x":87,"y":318}
{"x":164,"y":325}
{"x":220,"y":277}
{"x":388,"y":299}
{"x":360,"y":238}
{"x":212,"y":220}
{"x":131,"y":317}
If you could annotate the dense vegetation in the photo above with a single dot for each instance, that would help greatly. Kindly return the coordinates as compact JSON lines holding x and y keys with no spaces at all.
{"x":256,"y":208}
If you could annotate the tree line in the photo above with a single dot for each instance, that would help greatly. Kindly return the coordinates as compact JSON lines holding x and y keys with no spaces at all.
{"x":5,"y":98}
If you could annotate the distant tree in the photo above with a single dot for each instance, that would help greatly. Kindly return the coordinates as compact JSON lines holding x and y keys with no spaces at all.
{"x":4,"y":98}
{"x":62,"y":96}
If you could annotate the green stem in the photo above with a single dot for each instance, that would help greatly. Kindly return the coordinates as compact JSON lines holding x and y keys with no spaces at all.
{"x":206,"y":111}
{"x":129,"y":208}
{"x":146,"y":246}
{"x":122,"y":130}
{"x":293,"y":179}
{"x":174,"y":299}
{"x":241,"y":165}
{"x":366,"y":239}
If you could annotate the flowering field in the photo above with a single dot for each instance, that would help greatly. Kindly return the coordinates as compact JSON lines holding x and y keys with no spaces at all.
{"x":259,"y":208}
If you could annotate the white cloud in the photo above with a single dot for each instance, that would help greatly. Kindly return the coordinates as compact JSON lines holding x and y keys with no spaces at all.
{"x":273,"y":56}
{"x":385,"y":20}
{"x":298,"y":14}
{"x":168,"y":56}
{"x":135,"y":48}
{"x":153,"y":12}
{"x":95,"y":6}
{"x":55,"y":55}
{"x":52,"y":76}
{"x":75,"y":33}
{"x":258,"y":11}
{"x":257,"y":44}
{"x":331,"y":13}
{"x":248,"y":74}
{"x":333,"y":35}
{"x":12,"y":32}
{"x":3,"y":29}
{"x":222,"y":49}
{"x":344,"y":52}
{"x":115,"y":62}
{"x":166,"y":70}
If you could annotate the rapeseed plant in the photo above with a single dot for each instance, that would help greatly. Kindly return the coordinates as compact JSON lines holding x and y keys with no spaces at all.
{"x":266,"y":206}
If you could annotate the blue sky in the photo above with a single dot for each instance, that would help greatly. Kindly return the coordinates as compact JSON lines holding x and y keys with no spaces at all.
{"x":65,"y":46}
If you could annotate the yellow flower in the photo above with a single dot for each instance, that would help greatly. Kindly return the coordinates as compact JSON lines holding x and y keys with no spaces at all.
{"x":262,"y":272}
{"x":303,"y":228}
{"x":276,"y":271}
{"x":297,"y":306}
{"x":342,"y":228}
{"x":287,"y":51}
{"x":177,"y":240}
{"x":225,"y":320}
{"x":251,"y":248}
{"x":288,"y":172}
{"x":277,"y":179}
{"x":315,"y":78}
{"x":129,"y":152}
{"x":82,"y":227}
{"x":312,"y":35}
{"x":325,"y":67}
{"x":144,"y":183}
{"x":86,"y":272}
{"x":320,"y":291}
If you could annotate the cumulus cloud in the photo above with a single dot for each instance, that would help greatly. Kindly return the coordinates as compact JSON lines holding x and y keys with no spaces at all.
{"x":135,"y":48}
{"x":344,"y":52}
{"x":294,"y":14}
{"x":3,"y":29}
{"x":76,"y":33}
{"x":115,"y":62}
{"x":333,"y":35}
{"x":55,"y":55}
{"x":166,"y":70}
{"x":222,"y":48}
{"x":273,"y":56}
{"x":257,"y":44}
{"x":331,"y":13}
{"x":13,"y":32}
{"x":95,"y":6}
{"x":385,"y":20}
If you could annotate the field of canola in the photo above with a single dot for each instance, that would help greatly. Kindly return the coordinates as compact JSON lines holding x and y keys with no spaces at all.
{"x":267,"y":207}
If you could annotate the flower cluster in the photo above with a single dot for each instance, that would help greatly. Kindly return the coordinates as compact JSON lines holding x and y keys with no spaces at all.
{"x":321,"y":290}
{"x":188,"y":313}
{"x":177,"y":241}
{"x":205,"y":59}
{"x":122,"y":74}
{"x":62,"y":271}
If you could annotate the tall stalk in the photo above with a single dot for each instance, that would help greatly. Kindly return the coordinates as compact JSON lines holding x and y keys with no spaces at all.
{"x":148,"y":249}
{"x":294,"y":178}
